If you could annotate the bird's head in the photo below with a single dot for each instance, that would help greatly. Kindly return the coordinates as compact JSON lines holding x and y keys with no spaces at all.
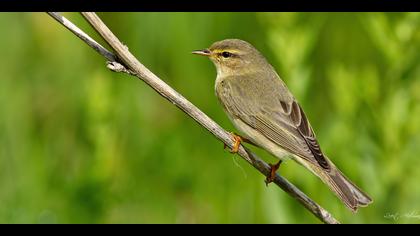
{"x":233,"y":57}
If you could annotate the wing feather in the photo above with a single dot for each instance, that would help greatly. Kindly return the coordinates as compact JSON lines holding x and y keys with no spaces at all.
{"x":285,"y":123}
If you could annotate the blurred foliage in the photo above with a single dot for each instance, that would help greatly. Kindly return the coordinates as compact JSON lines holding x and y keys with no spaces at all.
{"x":80,"y":144}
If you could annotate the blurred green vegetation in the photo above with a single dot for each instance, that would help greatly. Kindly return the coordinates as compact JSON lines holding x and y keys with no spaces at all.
{"x":80,"y":144}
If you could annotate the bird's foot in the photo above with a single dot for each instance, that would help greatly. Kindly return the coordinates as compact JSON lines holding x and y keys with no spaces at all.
{"x":273,"y":169}
{"x":238,"y":140}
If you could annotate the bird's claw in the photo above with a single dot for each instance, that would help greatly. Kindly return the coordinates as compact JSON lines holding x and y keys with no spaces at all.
{"x":272,"y":176}
{"x":237,"y":143}
{"x":237,"y":139}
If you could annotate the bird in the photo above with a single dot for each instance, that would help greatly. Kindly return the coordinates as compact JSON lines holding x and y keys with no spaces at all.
{"x":267,"y":115}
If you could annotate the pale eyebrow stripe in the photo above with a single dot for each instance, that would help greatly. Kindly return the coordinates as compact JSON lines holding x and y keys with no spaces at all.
{"x":233,"y":51}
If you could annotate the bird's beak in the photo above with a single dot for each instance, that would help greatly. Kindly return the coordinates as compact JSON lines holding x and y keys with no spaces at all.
{"x":204,"y":52}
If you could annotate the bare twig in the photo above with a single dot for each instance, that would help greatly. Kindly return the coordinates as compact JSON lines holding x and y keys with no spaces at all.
{"x":129,"y":64}
{"x":113,"y":62}
{"x":83,"y":36}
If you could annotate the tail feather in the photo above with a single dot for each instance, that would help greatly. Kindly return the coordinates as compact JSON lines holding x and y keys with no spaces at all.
{"x":348,"y":192}
{"x":351,"y":195}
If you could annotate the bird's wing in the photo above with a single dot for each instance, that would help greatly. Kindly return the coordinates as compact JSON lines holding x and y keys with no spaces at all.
{"x":284,"y":123}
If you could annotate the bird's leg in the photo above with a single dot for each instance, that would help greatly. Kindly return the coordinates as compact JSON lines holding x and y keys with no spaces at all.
{"x":238,"y":140}
{"x":273,"y":169}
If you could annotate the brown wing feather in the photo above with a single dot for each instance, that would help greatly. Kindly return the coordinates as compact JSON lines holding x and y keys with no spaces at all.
{"x":308,"y":135}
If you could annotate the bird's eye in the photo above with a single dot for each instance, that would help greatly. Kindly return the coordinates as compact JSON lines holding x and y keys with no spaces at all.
{"x":226,"y":54}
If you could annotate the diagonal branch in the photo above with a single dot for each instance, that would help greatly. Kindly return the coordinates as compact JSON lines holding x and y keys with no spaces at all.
{"x":124,"y":61}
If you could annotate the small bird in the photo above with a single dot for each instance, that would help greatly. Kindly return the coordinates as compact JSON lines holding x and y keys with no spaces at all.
{"x":268,"y":116}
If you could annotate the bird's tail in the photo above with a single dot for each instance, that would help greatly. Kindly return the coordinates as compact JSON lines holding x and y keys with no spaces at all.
{"x":351,"y":195}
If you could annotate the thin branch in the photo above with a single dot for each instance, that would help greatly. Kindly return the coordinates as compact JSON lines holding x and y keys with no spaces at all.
{"x":113,"y":62}
{"x":130,"y":63}
{"x":83,"y":36}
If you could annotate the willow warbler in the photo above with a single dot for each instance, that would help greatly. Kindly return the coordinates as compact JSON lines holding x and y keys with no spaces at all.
{"x":262,"y":108}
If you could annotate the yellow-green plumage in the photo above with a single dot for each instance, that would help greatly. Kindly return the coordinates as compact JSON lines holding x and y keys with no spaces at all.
{"x":262,"y":108}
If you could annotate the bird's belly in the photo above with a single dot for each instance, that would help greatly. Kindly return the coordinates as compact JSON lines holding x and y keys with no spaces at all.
{"x":259,"y":139}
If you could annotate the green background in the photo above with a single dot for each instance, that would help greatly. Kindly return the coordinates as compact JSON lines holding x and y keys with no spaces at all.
{"x":82,"y":144}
